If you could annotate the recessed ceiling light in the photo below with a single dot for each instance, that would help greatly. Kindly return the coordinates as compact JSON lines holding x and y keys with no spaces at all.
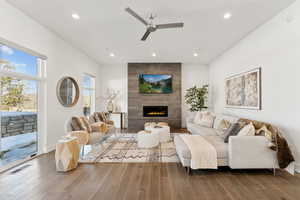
{"x":75,"y":16}
{"x":112,"y":55}
{"x":154,"y":54}
{"x":227,"y":15}
{"x":195,"y":54}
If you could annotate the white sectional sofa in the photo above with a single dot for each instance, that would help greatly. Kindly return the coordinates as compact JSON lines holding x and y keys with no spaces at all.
{"x":241,"y":152}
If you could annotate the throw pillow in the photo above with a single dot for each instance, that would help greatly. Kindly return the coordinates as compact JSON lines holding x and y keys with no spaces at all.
{"x":197,"y":118}
{"x":223,"y":125}
{"x":96,"y":117}
{"x":265,"y":131}
{"x":221,"y":134}
{"x":207,"y":120}
{"x":248,"y":130}
{"x":86,"y":124}
{"x":77,"y":124}
{"x":103,"y":116}
{"x":233,"y":130}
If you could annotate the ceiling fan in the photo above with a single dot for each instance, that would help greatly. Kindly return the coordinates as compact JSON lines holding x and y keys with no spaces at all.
{"x":150,"y":26}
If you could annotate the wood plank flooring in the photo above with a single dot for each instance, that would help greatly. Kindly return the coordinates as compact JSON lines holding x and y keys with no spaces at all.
{"x":38,"y":180}
{"x":144,"y":181}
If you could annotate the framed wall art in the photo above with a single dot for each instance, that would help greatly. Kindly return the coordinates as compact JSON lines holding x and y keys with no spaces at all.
{"x":244,"y":90}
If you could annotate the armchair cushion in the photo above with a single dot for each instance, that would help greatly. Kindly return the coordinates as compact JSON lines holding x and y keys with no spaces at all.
{"x":99,"y":127}
{"x":82,"y":136}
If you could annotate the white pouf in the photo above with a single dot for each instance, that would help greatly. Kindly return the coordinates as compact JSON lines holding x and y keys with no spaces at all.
{"x":147,"y":140}
{"x":163,"y":132}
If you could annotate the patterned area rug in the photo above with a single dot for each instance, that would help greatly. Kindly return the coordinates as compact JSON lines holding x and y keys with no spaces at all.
{"x":123,"y":149}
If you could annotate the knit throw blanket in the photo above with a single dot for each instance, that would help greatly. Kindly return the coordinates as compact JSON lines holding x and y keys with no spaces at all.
{"x":204,"y":155}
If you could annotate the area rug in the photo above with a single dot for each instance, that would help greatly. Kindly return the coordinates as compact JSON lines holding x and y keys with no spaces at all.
{"x":123,"y":149}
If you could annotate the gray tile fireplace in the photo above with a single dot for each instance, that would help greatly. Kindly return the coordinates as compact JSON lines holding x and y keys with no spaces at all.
{"x":153,"y":107}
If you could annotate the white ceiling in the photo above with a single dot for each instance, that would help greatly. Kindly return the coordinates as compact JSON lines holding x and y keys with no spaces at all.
{"x":105,"y":27}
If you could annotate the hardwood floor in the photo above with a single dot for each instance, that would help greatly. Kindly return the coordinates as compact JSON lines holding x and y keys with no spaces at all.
{"x":39,"y":180}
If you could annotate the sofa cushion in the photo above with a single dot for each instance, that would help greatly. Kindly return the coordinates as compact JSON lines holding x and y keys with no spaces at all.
{"x":207,"y":120}
{"x":216,"y":141}
{"x":196,"y":129}
{"x":219,"y":144}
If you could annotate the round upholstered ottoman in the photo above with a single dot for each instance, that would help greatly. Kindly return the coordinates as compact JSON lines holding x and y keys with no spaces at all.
{"x":147,"y":139}
{"x":163,"y":132}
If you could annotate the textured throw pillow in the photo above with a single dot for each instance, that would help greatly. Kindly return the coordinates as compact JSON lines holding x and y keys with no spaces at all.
{"x":96,"y":117}
{"x":103,"y":116}
{"x":207,"y":120}
{"x":248,"y":130}
{"x":86,"y":124}
{"x":233,"y":130}
{"x":77,"y":124}
{"x":223,"y":125}
{"x":265,"y":131}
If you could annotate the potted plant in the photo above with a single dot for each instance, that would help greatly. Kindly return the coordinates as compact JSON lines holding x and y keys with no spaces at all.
{"x":196,"y":98}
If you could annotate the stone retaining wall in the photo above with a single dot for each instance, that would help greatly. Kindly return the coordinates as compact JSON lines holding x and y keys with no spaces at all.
{"x":19,"y":124}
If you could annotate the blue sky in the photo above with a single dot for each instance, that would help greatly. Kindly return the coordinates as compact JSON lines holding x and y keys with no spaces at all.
{"x":23,"y":62}
{"x":155,"y":77}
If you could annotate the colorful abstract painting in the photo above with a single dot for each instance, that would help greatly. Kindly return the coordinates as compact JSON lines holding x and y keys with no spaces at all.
{"x":244,"y":90}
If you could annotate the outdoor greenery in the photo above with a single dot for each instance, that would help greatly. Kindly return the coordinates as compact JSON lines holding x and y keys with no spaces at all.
{"x":196,"y":98}
{"x":11,"y":90}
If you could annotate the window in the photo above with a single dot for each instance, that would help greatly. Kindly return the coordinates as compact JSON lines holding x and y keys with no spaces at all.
{"x":15,"y":60}
{"x":20,"y":78}
{"x":88,"y":94}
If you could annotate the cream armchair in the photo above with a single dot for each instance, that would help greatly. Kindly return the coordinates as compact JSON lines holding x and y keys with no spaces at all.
{"x":94,"y":134}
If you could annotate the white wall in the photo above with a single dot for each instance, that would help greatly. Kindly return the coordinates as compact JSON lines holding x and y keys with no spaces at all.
{"x":192,"y":75}
{"x":63,"y":60}
{"x":115,"y":76}
{"x":275,"y":47}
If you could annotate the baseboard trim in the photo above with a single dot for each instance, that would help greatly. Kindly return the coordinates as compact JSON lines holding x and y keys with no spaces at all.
{"x":297,"y":168}
{"x":50,"y":148}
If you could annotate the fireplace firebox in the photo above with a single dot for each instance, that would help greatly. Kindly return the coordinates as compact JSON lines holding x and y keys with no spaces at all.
{"x":155,"y":111}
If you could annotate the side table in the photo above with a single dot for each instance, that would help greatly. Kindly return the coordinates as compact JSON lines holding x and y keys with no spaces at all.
{"x":67,"y":154}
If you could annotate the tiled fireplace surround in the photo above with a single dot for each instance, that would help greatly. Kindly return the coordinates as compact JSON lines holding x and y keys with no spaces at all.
{"x":137,"y":101}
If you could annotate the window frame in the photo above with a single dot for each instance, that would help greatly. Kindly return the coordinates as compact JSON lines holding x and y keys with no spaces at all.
{"x":90,"y":89}
{"x":41,"y":96}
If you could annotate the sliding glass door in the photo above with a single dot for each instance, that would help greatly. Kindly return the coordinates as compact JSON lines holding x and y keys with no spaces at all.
{"x":19,"y":88}
{"x":18,"y":119}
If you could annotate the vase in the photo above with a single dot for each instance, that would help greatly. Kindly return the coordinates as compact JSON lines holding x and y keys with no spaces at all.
{"x":110,"y":106}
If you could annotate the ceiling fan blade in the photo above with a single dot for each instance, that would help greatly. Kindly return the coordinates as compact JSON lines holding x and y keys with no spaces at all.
{"x":145,"y":36}
{"x":134,"y":14}
{"x":171,"y":25}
